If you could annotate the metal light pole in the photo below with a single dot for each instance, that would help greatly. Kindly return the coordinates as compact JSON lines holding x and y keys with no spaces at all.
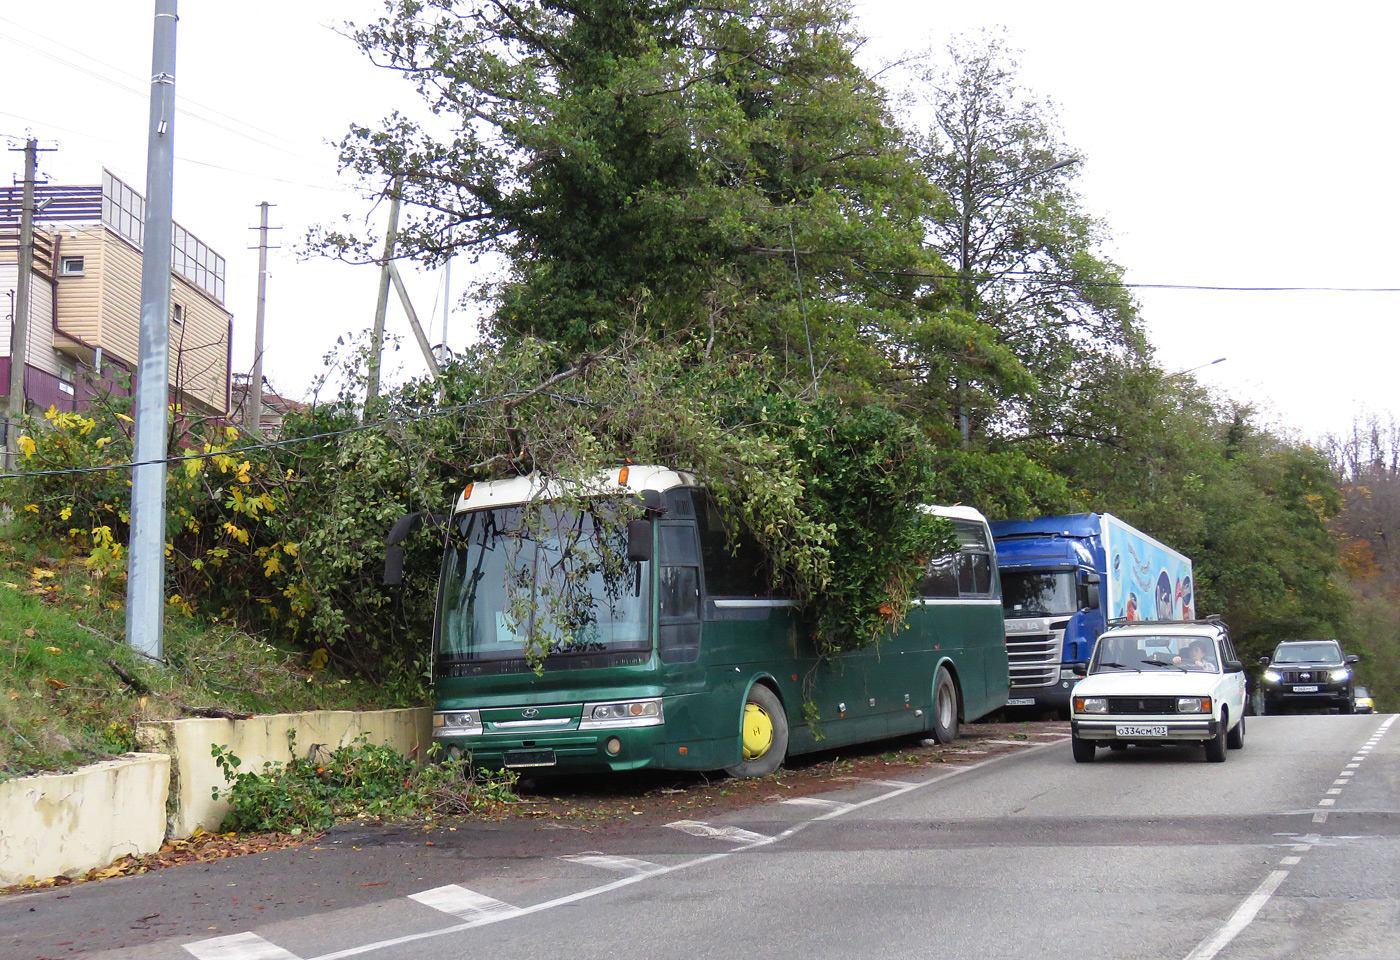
{"x":145,"y":569}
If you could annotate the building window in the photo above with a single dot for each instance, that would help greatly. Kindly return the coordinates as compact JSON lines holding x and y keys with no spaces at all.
{"x":70,"y":266}
{"x":177,"y":312}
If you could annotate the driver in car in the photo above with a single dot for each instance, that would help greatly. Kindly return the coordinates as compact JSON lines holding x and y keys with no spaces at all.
{"x":1197,"y":657}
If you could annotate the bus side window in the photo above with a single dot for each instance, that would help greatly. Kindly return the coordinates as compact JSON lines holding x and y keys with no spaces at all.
{"x":734,"y":562}
{"x":974,"y":559}
{"x":941,"y":577}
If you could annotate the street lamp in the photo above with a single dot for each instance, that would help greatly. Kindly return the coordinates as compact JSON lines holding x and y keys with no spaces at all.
{"x":1182,"y":373}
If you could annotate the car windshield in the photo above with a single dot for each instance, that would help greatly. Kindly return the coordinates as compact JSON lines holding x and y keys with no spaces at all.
{"x":1321,"y":651}
{"x":1145,"y":652}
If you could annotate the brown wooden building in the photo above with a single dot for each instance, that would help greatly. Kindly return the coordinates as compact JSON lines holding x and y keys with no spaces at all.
{"x":85,"y":300}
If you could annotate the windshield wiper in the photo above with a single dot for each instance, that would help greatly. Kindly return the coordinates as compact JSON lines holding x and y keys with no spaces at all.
{"x":1163,"y":663}
{"x":1120,"y":666}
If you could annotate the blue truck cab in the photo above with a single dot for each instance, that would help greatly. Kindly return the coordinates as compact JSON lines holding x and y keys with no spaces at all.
{"x":1063,"y":579}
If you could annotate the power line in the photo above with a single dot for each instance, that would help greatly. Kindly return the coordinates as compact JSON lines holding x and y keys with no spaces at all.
{"x":1017,"y":277}
{"x":129,"y":83}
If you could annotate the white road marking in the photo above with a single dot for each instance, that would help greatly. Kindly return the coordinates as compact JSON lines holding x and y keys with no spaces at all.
{"x":734,"y":834}
{"x":1290,"y":861}
{"x":1242,"y":918}
{"x":620,"y":864}
{"x":238,"y":946}
{"x":818,"y":802}
{"x":894,"y":783}
{"x":461,"y":902}
{"x":1334,"y":791}
{"x":1010,"y":743}
{"x":1302,"y":847}
{"x":1326,"y":803}
{"x":1320,"y":817}
{"x":623,"y":882}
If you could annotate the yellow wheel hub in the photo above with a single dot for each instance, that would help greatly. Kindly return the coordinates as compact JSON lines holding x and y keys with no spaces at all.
{"x":758,"y":731}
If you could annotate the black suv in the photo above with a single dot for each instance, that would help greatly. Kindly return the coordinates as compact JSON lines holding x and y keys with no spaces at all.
{"x":1308,"y":673}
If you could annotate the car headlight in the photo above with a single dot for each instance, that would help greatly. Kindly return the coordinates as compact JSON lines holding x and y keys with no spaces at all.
{"x":1341,"y":673}
{"x":457,"y":723}
{"x":622,"y":713}
{"x":1091,"y":705}
{"x":1272,"y":676}
{"x":1193,"y":704}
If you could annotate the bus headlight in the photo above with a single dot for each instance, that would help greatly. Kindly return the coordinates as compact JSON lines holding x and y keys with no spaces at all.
{"x":622,"y":713}
{"x":457,"y":723}
{"x":1091,"y":705}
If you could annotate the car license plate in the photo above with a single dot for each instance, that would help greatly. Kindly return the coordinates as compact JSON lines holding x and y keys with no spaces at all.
{"x":1021,"y":702}
{"x":1306,"y":688}
{"x":1142,"y":730}
{"x":528,"y":758}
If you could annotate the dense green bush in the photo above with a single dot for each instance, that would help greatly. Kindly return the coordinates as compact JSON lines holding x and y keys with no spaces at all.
{"x":358,"y":779}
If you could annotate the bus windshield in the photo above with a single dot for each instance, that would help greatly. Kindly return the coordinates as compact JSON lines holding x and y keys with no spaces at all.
{"x":1040,"y":593}
{"x":556,"y":576}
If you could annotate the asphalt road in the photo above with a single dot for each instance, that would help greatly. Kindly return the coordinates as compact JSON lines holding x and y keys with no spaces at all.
{"x":1288,"y":850}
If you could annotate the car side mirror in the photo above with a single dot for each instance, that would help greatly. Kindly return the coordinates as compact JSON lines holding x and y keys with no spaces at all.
{"x":1263,"y":661}
{"x":1233,"y":666}
{"x":1080,"y":669}
{"x":1353,"y":658}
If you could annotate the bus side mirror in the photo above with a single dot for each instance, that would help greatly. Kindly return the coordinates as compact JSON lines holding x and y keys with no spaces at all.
{"x":405,"y":527}
{"x":639,"y":540}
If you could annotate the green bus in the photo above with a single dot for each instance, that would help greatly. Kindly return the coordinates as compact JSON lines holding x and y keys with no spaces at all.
{"x":666,"y":648}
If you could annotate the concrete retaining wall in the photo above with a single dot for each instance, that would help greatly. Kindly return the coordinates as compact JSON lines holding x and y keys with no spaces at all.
{"x":189,"y":745}
{"x":67,"y":823}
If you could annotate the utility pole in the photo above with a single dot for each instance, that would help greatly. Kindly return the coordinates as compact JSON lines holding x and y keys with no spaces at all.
{"x":19,"y":332}
{"x":376,"y":345}
{"x":389,"y":274}
{"x":252,"y":399}
{"x":145,"y":570}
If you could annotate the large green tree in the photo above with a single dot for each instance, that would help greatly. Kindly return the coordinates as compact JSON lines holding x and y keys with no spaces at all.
{"x":725,"y":174}
{"x":1028,"y":259}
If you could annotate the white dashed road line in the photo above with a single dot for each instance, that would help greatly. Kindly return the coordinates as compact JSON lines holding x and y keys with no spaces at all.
{"x":238,"y":946}
{"x":733,"y":834}
{"x":1246,"y":912}
{"x":463,"y":903}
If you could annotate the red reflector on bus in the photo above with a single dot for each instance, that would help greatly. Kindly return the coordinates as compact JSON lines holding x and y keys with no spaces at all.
{"x":684,"y":749}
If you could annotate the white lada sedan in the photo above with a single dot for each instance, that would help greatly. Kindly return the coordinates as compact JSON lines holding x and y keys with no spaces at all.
{"x":1174,"y":682}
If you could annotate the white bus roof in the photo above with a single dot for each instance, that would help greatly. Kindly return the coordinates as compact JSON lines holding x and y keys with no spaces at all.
{"x":631,"y":479}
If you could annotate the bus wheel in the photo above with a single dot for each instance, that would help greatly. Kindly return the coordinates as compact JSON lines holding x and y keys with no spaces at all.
{"x":764,"y":736}
{"x":945,"y":707}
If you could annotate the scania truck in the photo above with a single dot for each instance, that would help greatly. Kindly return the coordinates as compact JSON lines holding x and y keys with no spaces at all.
{"x":1063,"y":580}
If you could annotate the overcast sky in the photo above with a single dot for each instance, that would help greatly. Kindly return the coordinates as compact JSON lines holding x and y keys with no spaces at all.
{"x":1231,"y":144}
